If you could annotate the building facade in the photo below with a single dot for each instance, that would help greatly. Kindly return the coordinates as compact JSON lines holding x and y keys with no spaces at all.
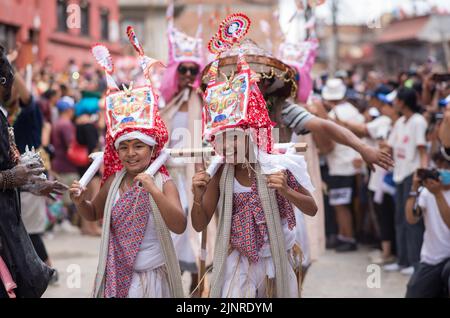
{"x":59,"y":29}
{"x":409,"y":42}
{"x":149,"y":18}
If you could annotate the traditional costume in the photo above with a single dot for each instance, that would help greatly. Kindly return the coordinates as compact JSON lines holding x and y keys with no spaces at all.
{"x":137,"y":257}
{"x":285,"y":84}
{"x":255,"y":253}
{"x":183,"y":49}
{"x":22,"y":273}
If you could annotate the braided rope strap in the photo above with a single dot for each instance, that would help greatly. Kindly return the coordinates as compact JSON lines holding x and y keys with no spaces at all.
{"x":276,"y":236}
{"x":225,"y":209}
{"x":171,"y":260}
{"x":99,"y":285}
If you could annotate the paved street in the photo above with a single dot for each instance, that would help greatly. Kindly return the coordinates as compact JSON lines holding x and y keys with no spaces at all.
{"x":73,"y":254}
{"x":333,"y":275}
{"x":346,"y":275}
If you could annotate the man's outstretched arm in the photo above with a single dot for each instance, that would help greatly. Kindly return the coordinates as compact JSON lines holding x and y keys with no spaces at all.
{"x":342,"y":135}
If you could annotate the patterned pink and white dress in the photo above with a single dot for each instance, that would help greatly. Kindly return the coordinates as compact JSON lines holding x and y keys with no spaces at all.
{"x":250,"y":261}
{"x":135,"y":262}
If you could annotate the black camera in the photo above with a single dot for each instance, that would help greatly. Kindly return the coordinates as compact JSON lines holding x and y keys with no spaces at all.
{"x":424,"y":174}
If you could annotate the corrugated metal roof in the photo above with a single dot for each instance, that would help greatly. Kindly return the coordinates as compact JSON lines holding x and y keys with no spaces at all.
{"x":403,"y":30}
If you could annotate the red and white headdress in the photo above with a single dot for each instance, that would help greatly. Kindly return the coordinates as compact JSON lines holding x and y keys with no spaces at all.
{"x":236,"y":102}
{"x":131,"y":113}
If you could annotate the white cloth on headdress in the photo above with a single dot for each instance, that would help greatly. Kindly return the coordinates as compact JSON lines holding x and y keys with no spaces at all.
{"x":135,"y":135}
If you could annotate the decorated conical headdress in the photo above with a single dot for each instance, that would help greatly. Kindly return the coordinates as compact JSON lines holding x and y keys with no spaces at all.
{"x":281,"y":75}
{"x":236,"y":102}
{"x":132,"y":110}
{"x":182,"y":48}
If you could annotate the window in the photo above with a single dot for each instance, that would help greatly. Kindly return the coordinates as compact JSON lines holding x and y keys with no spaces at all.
{"x":84,"y":6}
{"x":104,"y":24}
{"x":8,"y":36}
{"x":61,"y":11}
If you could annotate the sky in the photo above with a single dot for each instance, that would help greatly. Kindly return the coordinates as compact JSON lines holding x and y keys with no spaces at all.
{"x":361,"y":11}
{"x":351,"y":12}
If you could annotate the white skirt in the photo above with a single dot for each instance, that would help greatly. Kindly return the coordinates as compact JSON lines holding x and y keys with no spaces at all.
{"x":250,"y":280}
{"x":152,"y":283}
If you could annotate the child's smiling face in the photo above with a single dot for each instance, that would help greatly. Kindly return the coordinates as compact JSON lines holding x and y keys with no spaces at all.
{"x":232,"y":145}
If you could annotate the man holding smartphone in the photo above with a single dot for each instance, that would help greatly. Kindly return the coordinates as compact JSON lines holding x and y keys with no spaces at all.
{"x":432,"y":276}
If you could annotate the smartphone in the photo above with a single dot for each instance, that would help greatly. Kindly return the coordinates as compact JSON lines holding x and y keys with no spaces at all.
{"x":442,"y":77}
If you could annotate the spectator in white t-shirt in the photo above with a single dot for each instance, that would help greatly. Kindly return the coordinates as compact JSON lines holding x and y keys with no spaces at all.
{"x":343,"y":164}
{"x":376,"y":131}
{"x":432,"y":276}
{"x":408,"y":144}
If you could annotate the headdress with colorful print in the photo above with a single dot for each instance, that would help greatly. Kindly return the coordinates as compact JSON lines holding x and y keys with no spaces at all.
{"x":131,"y":113}
{"x":182,"y":49}
{"x":236,"y":102}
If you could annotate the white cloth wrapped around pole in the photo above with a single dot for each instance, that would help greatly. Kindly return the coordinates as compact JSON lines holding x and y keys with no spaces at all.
{"x":158,"y":162}
{"x":286,"y":149}
{"x":214,"y":165}
{"x":93,"y":168}
{"x":166,"y":154}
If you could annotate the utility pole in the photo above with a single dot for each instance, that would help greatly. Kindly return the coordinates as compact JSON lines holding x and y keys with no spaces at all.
{"x":334,"y":58}
{"x":414,"y":5}
{"x":445,"y":47}
{"x":308,"y":14}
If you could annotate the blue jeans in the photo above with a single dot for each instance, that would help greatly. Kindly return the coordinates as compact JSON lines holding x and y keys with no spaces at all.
{"x":409,"y":237}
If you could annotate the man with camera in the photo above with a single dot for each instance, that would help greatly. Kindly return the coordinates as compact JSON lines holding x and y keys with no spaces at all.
{"x":432,"y":276}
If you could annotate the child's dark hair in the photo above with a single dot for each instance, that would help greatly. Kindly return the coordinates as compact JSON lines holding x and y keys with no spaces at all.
{"x":409,"y":97}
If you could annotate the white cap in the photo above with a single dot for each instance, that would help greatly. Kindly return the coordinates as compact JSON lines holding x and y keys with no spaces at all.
{"x":135,"y":135}
{"x":334,"y":89}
